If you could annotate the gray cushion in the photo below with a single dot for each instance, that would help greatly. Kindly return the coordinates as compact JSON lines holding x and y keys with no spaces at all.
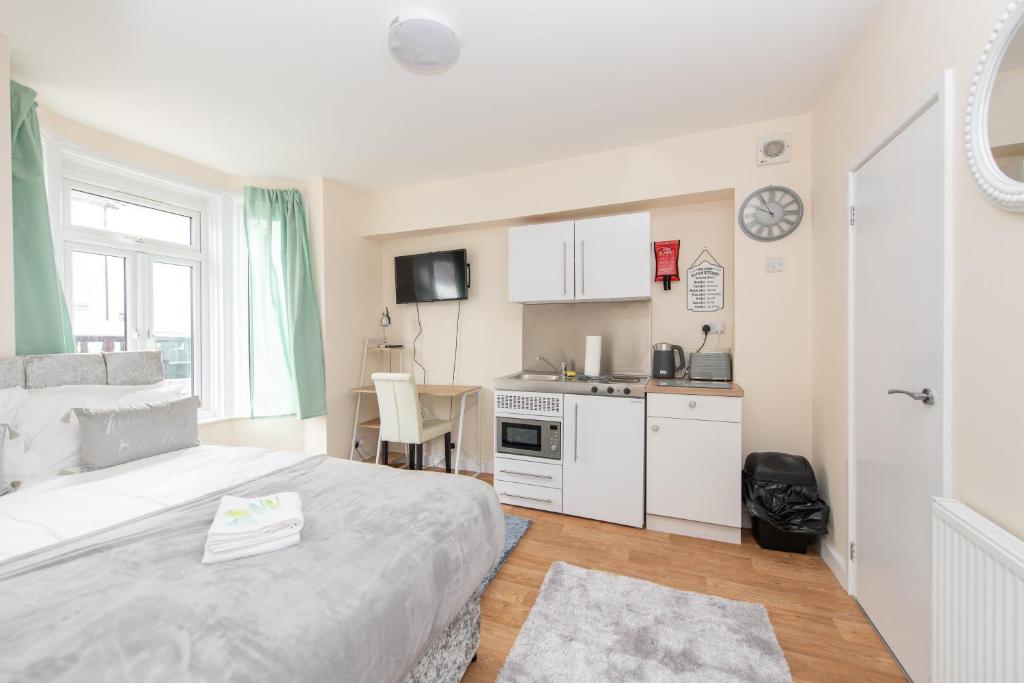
{"x":12,"y":372}
{"x":134,"y":367}
{"x":62,"y":369}
{"x":113,"y":436}
{"x":5,"y":486}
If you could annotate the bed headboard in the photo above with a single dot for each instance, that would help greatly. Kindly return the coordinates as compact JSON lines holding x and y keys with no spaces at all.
{"x":59,"y":369}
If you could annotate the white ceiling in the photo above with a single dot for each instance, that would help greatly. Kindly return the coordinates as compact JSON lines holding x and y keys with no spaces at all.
{"x":306,"y":87}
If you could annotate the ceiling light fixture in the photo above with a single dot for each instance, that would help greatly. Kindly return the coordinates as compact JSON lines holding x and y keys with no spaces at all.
{"x":422,"y":44}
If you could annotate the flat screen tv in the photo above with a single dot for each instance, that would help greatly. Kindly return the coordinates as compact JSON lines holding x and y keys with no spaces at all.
{"x":437,"y":276}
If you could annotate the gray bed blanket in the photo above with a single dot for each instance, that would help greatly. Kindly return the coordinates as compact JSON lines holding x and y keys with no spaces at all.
{"x":387,"y":559}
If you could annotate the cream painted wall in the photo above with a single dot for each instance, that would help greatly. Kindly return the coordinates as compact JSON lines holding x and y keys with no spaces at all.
{"x":772,"y":312}
{"x":6,"y":219}
{"x":900,"y":57}
{"x":352,"y":301}
{"x":696,"y":226}
{"x":490,"y":335}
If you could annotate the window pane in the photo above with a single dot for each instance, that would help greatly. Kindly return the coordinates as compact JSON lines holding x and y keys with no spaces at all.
{"x":103,"y":213}
{"x":173,"y":329}
{"x":98,"y":308}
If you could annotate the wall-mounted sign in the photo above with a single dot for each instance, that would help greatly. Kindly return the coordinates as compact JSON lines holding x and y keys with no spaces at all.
{"x":666,"y":262}
{"x":705,"y":284}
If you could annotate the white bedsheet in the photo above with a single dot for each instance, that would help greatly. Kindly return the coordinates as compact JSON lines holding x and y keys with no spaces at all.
{"x":68,"y":506}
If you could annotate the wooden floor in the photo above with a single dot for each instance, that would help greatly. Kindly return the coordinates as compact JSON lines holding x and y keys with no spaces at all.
{"x":823,"y":633}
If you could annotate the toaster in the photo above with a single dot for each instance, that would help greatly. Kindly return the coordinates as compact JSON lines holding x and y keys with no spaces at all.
{"x":711,"y":366}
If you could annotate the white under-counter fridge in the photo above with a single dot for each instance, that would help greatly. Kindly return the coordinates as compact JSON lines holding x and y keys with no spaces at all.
{"x":603,"y":458}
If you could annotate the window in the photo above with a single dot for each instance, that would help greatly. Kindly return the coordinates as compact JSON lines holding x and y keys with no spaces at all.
{"x":151,"y":262}
{"x":133,"y":274}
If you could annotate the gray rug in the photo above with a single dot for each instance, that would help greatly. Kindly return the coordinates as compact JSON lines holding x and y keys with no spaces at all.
{"x":515,"y":528}
{"x":592,"y":626}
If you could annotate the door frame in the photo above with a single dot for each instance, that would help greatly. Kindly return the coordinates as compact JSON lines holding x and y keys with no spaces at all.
{"x":940,"y":94}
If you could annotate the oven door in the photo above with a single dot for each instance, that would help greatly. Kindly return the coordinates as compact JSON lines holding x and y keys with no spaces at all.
{"x":534,"y":438}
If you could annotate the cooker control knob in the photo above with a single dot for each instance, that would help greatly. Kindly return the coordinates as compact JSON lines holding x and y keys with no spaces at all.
{"x":611,"y":390}
{"x":626,"y":391}
{"x":554,"y":447}
{"x":593,"y":390}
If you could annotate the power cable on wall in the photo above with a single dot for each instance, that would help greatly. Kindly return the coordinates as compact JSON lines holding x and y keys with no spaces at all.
{"x":419,"y":333}
{"x":455,"y":357}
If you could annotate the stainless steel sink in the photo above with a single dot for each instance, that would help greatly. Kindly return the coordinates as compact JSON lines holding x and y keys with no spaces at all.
{"x":538,"y":376}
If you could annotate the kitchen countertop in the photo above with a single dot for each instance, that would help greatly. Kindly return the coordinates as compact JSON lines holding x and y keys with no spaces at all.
{"x":735,"y":391}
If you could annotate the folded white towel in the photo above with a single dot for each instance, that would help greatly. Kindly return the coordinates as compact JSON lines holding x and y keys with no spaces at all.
{"x":251,"y":526}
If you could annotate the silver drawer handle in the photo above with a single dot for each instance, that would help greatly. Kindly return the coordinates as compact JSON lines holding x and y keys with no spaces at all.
{"x":527,"y":474}
{"x":539,"y":500}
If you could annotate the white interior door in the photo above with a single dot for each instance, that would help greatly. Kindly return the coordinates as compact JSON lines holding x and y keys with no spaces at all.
{"x":897,"y":335}
{"x":540,"y":262}
{"x":603,"y":459}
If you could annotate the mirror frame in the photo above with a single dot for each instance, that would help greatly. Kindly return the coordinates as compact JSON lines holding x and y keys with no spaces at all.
{"x":1002,"y":190}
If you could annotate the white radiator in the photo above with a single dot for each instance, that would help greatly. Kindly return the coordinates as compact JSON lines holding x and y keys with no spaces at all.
{"x":978,"y":598}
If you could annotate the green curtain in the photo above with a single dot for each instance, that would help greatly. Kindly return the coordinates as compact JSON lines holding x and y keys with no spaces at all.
{"x":286,"y":354}
{"x":41,"y":320}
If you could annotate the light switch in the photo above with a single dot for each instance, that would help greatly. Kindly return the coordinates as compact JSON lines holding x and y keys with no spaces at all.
{"x":773,"y":264}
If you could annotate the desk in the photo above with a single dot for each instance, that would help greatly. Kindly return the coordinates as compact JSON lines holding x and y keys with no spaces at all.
{"x":459,"y":391}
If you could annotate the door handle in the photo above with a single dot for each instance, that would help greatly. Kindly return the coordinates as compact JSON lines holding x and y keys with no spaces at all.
{"x":583,"y":268}
{"x":526,"y":474}
{"x":576,"y":436}
{"x":514,"y":495}
{"x":925,"y":396}
{"x":565,"y":247}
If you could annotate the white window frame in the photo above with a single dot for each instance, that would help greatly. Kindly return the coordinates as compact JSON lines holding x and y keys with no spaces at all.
{"x":220,"y":322}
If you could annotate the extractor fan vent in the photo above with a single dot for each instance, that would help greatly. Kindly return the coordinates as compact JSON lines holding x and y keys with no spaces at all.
{"x":773,"y":149}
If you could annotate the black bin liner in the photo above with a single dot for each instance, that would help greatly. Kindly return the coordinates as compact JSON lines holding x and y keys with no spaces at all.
{"x":780,"y":489}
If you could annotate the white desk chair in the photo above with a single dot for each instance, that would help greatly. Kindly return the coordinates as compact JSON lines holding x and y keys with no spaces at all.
{"x":401,"y":421}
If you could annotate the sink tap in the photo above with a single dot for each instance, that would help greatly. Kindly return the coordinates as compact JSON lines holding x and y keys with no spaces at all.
{"x":561,"y":368}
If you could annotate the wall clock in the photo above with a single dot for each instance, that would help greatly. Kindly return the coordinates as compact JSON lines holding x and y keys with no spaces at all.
{"x":771,"y":213}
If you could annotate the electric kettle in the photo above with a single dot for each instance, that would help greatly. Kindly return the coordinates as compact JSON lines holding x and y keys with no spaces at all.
{"x":663,"y":364}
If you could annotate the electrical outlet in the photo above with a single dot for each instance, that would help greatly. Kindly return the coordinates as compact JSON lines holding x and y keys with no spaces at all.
{"x":773,"y":264}
{"x":717,"y":326}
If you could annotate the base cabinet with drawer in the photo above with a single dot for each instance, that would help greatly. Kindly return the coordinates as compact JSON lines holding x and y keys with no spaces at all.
{"x":527,"y":483}
{"x":694,"y":464}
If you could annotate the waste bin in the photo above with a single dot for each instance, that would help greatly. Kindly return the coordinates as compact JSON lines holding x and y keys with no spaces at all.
{"x":781,"y":495}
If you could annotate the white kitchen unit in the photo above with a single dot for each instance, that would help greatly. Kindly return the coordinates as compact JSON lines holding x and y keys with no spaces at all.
{"x":694,"y":464}
{"x":592,"y":259}
{"x":540,"y":260}
{"x":603,"y":459}
{"x":613,"y":257}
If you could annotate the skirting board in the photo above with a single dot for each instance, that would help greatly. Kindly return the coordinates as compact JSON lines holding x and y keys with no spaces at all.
{"x":685,"y":527}
{"x":833,"y":562}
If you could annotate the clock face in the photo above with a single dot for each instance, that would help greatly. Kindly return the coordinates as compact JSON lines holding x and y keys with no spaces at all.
{"x":771,"y":213}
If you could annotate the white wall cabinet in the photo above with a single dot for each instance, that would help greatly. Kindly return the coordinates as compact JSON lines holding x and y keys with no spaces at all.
{"x":592,"y":259}
{"x":694,"y":464}
{"x":613,"y":257}
{"x":540,"y":263}
{"x":603,"y":459}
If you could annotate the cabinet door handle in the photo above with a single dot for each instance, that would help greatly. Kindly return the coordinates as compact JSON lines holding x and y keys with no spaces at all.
{"x":693,"y":404}
{"x":655,"y":428}
{"x":576,"y":436}
{"x":583,"y":267}
{"x":527,"y":474}
{"x":565,"y":249}
{"x":539,"y":500}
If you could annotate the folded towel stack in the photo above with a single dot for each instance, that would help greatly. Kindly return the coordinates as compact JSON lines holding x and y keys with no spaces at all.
{"x":252,"y":526}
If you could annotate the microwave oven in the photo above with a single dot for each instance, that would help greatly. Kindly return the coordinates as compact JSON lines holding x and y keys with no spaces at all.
{"x":531,"y":438}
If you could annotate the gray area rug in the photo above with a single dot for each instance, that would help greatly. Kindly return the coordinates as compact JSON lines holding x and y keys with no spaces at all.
{"x":592,"y":626}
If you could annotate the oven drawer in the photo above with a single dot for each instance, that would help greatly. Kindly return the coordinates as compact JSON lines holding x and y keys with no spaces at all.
{"x":528,"y":472}
{"x":687,"y":407}
{"x":529,"y":496}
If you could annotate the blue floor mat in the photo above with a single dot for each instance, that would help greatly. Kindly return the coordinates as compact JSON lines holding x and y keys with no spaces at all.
{"x":515,"y":528}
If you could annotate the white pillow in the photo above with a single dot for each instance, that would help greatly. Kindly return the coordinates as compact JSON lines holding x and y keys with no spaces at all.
{"x":51,"y":436}
{"x":11,"y":399}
